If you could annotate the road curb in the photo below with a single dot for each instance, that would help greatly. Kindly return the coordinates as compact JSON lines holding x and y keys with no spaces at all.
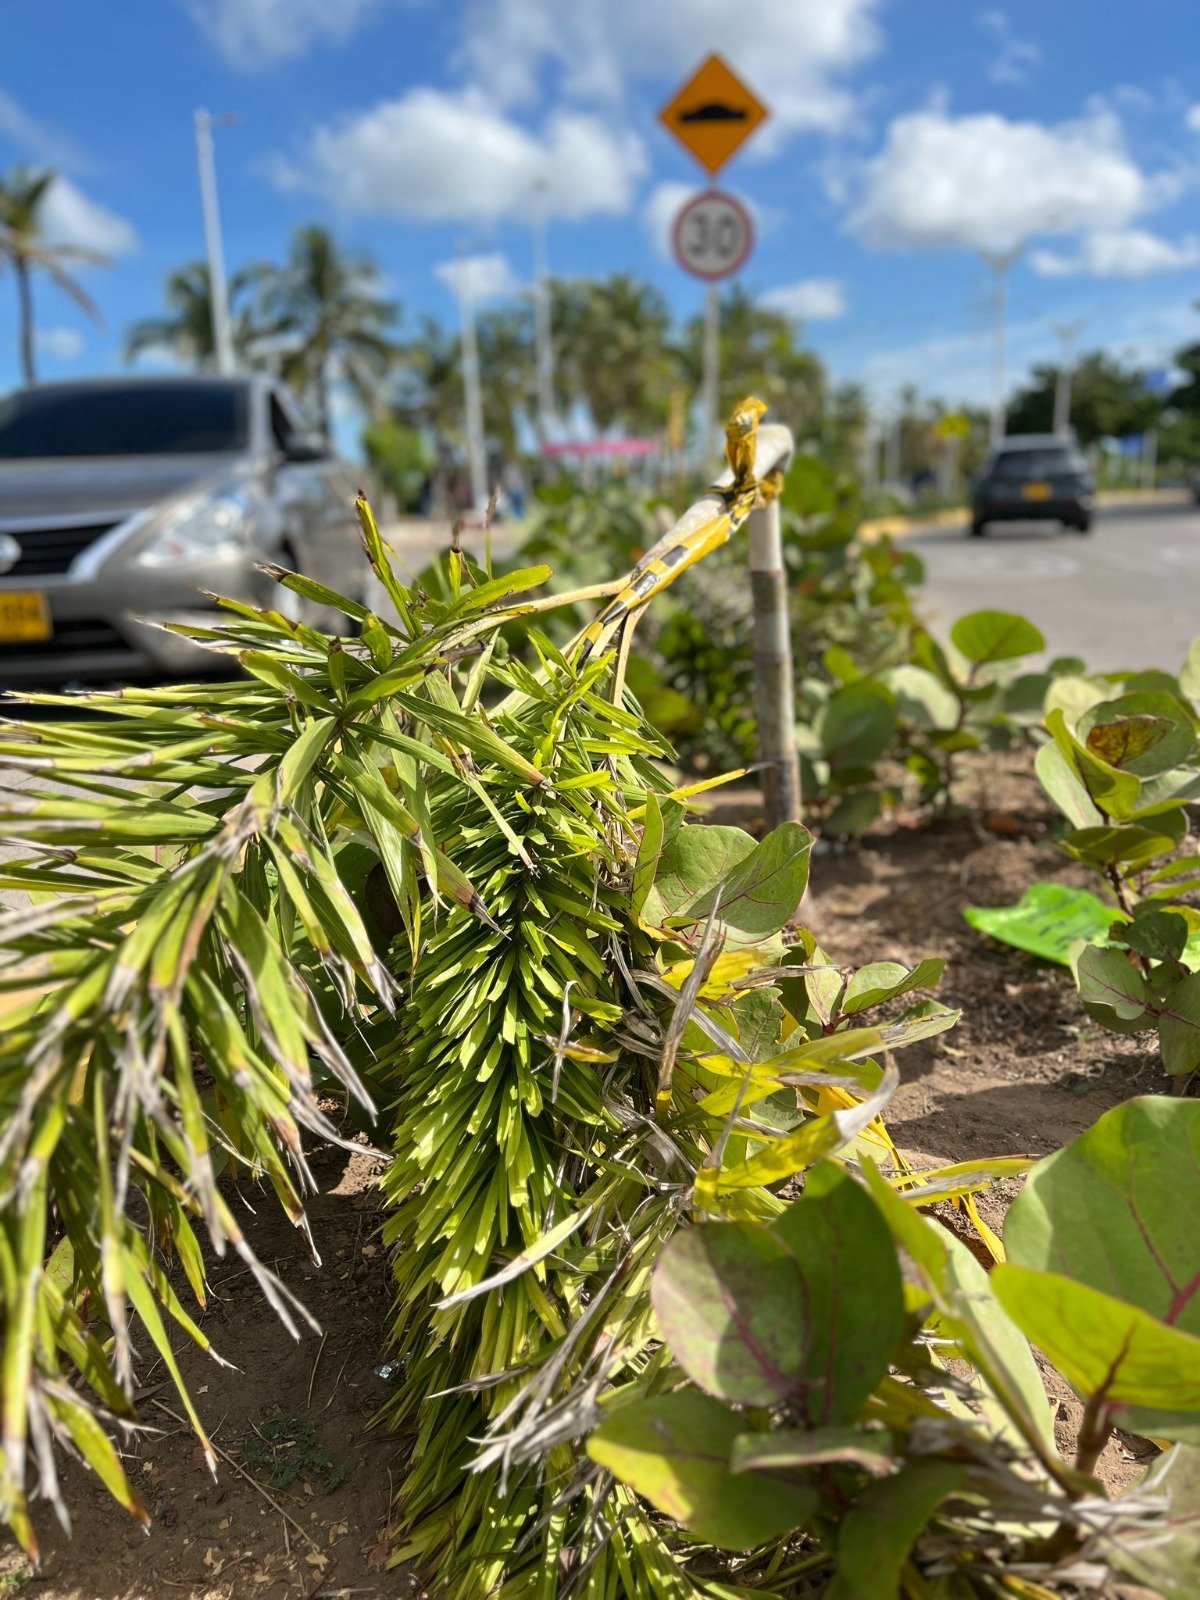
{"x":900,"y":525}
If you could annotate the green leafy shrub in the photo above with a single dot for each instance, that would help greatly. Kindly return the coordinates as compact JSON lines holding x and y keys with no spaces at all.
{"x":894,"y":1442}
{"x":1122,"y":764}
{"x":411,"y":873}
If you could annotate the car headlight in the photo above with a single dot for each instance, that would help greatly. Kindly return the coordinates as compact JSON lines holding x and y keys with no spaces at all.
{"x":205,"y":528}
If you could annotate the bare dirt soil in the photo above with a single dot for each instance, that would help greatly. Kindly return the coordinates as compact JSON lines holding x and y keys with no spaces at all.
{"x":306,"y":1516}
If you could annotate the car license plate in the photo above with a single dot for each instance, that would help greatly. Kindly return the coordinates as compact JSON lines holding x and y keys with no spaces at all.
{"x":24,"y":617}
{"x":1036,"y":491}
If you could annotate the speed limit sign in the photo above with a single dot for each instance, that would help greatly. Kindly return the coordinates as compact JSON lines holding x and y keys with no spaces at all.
{"x":712,"y":235}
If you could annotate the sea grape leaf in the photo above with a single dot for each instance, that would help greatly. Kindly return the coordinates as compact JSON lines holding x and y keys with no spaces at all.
{"x":1103,"y":1346}
{"x":851,"y":1290}
{"x":1109,"y":982}
{"x":761,"y":893}
{"x":1179,"y":1025}
{"x":691,"y":862}
{"x":856,"y":725}
{"x":1106,"y":1209}
{"x":1115,"y":792}
{"x":727,"y":1297}
{"x":759,"y":1018}
{"x":887,"y":980}
{"x":1147,"y":731}
{"x":1060,"y":778}
{"x":813,"y":1447}
{"x":875,"y":1538}
{"x":921,"y":698}
{"x":674,"y":1449}
{"x":854,"y":813}
{"x":1160,"y":935}
{"x":1142,"y":744}
{"x":1073,"y":695}
{"x":808,"y":1310}
{"x":970,"y":1312}
{"x":1189,"y":677}
{"x":987,"y":636}
{"x":1127,"y":845}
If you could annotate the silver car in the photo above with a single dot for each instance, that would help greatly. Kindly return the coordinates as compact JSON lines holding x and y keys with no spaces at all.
{"x":122,"y":500}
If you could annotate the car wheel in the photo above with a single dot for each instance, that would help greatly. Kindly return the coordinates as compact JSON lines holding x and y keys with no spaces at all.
{"x":978,"y":527}
{"x":1083,"y":525}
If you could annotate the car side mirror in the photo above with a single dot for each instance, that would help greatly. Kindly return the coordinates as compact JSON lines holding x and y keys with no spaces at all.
{"x":307,"y":446}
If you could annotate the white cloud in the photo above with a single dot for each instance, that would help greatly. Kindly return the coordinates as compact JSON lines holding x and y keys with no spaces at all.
{"x":252,"y":34}
{"x":810,"y":300}
{"x":35,"y":139}
{"x":478,"y":278}
{"x":1013,"y":60}
{"x":60,"y":344}
{"x":1192,"y":118}
{"x":793,"y":53}
{"x":433,"y":156}
{"x":69,"y":217}
{"x":982,"y":182}
{"x":1119,"y":253}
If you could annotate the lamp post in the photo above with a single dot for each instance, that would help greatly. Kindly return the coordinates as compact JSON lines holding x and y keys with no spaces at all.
{"x":1067,"y":332}
{"x":218,"y":290}
{"x":543,"y":335}
{"x":1001,"y":263}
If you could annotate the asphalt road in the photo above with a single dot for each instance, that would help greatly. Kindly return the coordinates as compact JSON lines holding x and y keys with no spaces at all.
{"x":1125,"y":595}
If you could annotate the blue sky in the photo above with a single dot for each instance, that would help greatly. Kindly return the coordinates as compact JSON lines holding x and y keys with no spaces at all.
{"x":907,"y":137}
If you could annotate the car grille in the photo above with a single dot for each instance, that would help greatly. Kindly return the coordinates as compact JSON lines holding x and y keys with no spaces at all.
{"x":72,"y":636}
{"x":49,"y":552}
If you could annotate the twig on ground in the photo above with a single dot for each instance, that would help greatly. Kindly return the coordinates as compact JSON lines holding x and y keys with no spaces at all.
{"x":252,"y":1481}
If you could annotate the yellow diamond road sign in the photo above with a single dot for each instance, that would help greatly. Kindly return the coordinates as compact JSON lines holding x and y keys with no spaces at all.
{"x":713,"y":114}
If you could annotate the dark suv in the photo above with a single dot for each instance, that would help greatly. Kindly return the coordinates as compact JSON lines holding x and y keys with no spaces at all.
{"x":1033,"y":476}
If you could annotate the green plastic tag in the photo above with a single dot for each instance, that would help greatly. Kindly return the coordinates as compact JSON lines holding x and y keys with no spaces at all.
{"x":1050,"y":918}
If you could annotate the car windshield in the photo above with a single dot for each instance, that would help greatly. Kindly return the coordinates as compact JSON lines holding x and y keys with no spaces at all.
{"x":144,"y":419}
{"x":1048,"y":463}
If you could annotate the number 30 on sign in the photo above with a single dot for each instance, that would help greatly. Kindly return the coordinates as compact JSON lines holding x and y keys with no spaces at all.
{"x":712,"y":236}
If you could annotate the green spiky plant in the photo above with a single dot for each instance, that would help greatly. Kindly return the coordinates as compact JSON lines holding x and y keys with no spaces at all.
{"x":406,"y":872}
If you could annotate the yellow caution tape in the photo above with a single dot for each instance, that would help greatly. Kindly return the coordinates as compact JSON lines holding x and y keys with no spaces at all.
{"x":675,"y":552}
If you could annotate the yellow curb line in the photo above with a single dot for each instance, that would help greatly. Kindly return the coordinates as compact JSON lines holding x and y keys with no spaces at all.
{"x":901,"y":524}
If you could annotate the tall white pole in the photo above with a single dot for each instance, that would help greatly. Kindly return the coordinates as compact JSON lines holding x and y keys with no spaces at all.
{"x":472,"y":393}
{"x":711,"y":386}
{"x":999,"y":311}
{"x":1001,"y":262}
{"x":543,"y":334}
{"x":217,"y":288}
{"x":1067,"y":332}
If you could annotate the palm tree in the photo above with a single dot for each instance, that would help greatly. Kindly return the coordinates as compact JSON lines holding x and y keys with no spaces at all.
{"x":760,"y":355}
{"x":325,"y":310}
{"x":187,"y":330}
{"x":612,"y":350}
{"x":24,"y":245}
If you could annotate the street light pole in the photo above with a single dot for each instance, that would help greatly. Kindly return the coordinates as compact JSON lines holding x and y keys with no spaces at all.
{"x":472,"y":391}
{"x":1001,"y":263}
{"x":1068,"y":332}
{"x":543,"y":334}
{"x":218,"y":291}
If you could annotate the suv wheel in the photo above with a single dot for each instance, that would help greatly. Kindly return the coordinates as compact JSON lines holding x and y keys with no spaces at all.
{"x":978,"y":527}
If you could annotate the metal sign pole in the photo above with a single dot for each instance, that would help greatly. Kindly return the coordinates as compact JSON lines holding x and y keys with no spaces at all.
{"x":711,"y":386}
{"x":218,"y":293}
